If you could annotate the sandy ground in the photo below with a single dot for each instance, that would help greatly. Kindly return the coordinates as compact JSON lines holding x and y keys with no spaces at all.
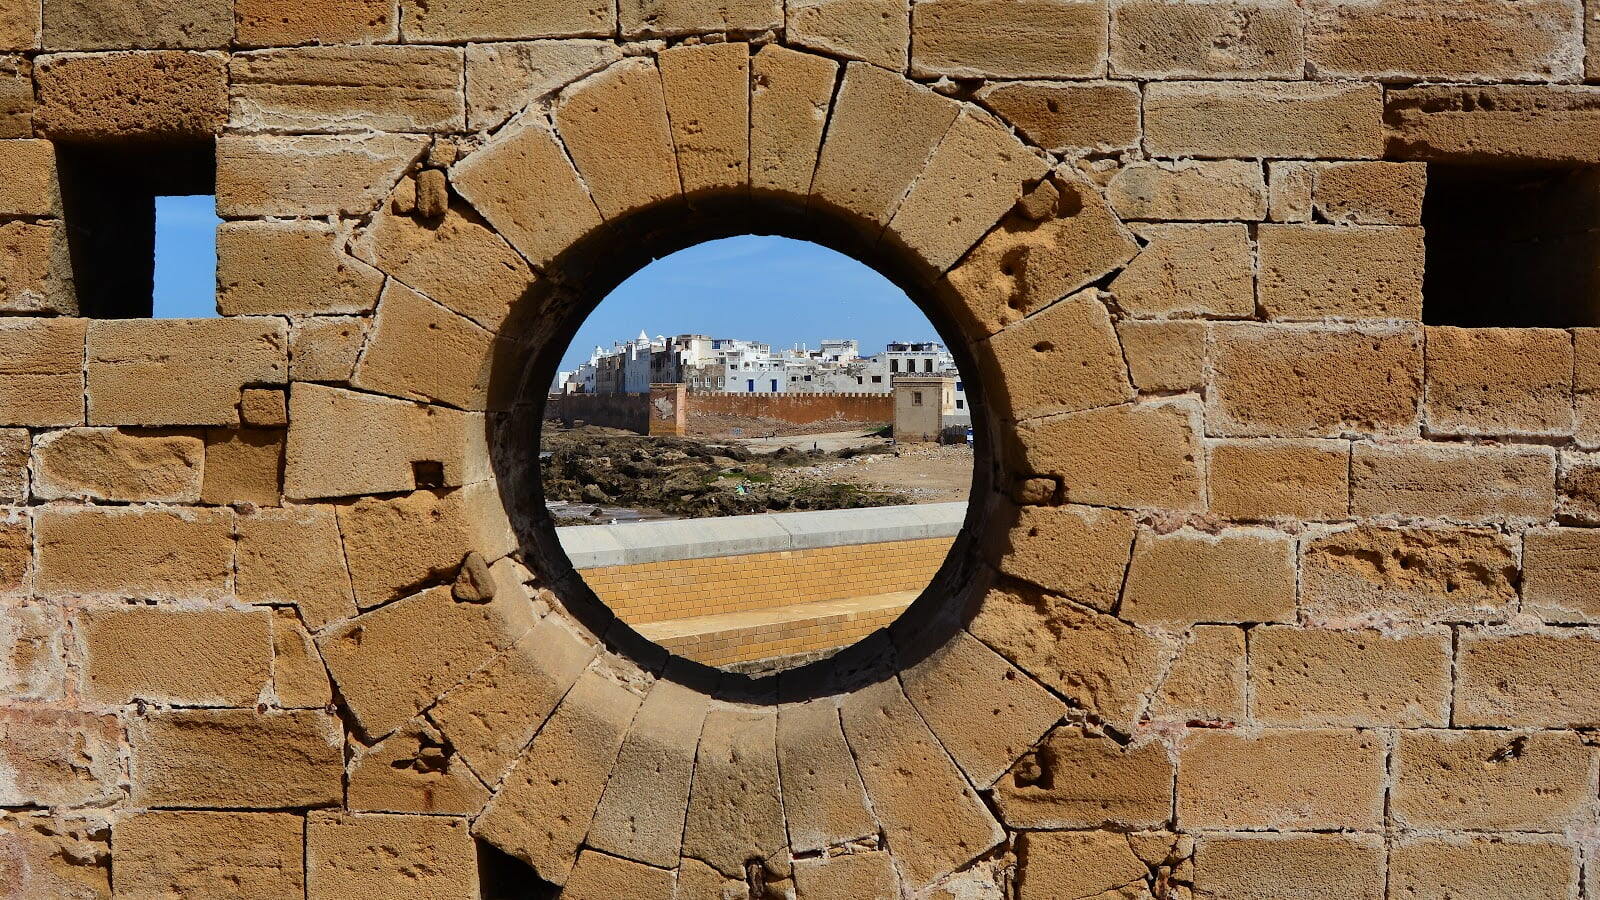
{"x":924,"y":473}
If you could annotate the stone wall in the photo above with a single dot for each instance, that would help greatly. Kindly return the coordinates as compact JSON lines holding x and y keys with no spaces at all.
{"x":629,"y":412}
{"x":1272,"y":590}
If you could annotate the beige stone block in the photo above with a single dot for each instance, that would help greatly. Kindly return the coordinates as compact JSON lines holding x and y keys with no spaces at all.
{"x":59,"y":758}
{"x":1371,"y":573}
{"x":597,"y":876}
{"x":874,"y":31}
{"x":824,"y":801}
{"x":264,"y":407}
{"x":1272,"y":866}
{"x":735,"y":817}
{"x":453,"y":21}
{"x":1066,"y":117}
{"x":1024,"y":39}
{"x":137,"y":24}
{"x":1290,"y":186}
{"x":1561,"y":574}
{"x":659,"y":18}
{"x":1452,"y":481}
{"x":1190,"y":191}
{"x":641,"y":815}
{"x":1095,"y":661}
{"x":1271,"y":381}
{"x":1308,"y":677}
{"x":1201,"y":270}
{"x":54,"y":856}
{"x":615,"y":127}
{"x":1075,"y":864}
{"x":117,"y":465}
{"x":565,"y":768}
{"x":1306,"y":779}
{"x":1279,"y":479}
{"x":325,"y":348}
{"x":1541,"y":679}
{"x":180,"y":371}
{"x":1499,"y":381}
{"x":414,"y":770}
{"x":299,"y":678}
{"x":455,"y":369}
{"x":243,"y":465}
{"x":1317,"y":272}
{"x":707,"y":88}
{"x":860,"y":874}
{"x":342,"y":443}
{"x":1591,"y":41}
{"x":236,"y":758}
{"x":1554,"y":123}
{"x":396,"y":545}
{"x":1074,"y":336}
{"x":1441,"y":868}
{"x":386,"y":675}
{"x":163,"y":94}
{"x":1456,"y":40}
{"x":882,"y":132}
{"x":1211,"y":39}
{"x":1143,"y":455}
{"x":20,"y":26}
{"x":351,"y":855}
{"x":504,"y":77}
{"x":1025,"y":265}
{"x":1079,"y":780}
{"x":1370,"y":193}
{"x":1188,"y":576}
{"x":282,"y":23}
{"x":32,"y":659}
{"x":1207,"y":680}
{"x":274,"y":268}
{"x":16,"y":551}
{"x":1578,"y":489}
{"x":1492,"y":780}
{"x":977,"y":173}
{"x":1164,"y":355}
{"x":294,"y":556}
{"x":526,"y":188}
{"x":16,"y":96}
{"x":348,"y":89}
{"x":29,"y":186}
{"x":209,"y":854}
{"x":791,"y":94}
{"x":15,"y":453}
{"x":135,"y":552}
{"x":36,"y":271}
{"x":315,"y":175}
{"x":219,"y":657}
{"x":929,"y":813}
{"x":1293,"y":120}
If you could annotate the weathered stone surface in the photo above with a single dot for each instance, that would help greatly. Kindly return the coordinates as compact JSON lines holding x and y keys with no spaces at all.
{"x":650,"y":18}
{"x":600,"y":877}
{"x":16,"y":96}
{"x":615,"y":127}
{"x":1075,"y":864}
{"x":456,"y":369}
{"x":1362,"y":678}
{"x":56,"y":856}
{"x":264,"y":407}
{"x":1561,"y":574}
{"x":236,"y":758}
{"x":1190,"y":191}
{"x":350,"y":856}
{"x":641,"y":815}
{"x":1279,"y":479}
{"x":35,"y":271}
{"x":136,"y":24}
{"x":1463,"y":40}
{"x":1211,"y":39}
{"x":1065,"y":117}
{"x":707,"y":89}
{"x":1074,"y":336}
{"x":1306,"y":779}
{"x":1539,"y":679}
{"x":453,"y":21}
{"x":1499,"y":381}
{"x":111,"y":464}
{"x":163,"y":94}
{"x":271,"y":268}
{"x":299,"y":678}
{"x":790,"y":96}
{"x":32,"y":663}
{"x":325,"y":348}
{"x":1450,"y":481}
{"x":874,"y":31}
{"x":504,"y":77}
{"x":1437,"y":868}
{"x":348,"y":89}
{"x":188,"y":657}
{"x":15,"y":451}
{"x":859,"y":874}
{"x":1138,"y":455}
{"x":1313,"y":381}
{"x":1316,"y":272}
{"x":1080,"y":780}
{"x":20,"y":26}
{"x":294,"y":556}
{"x":1578,"y":489}
{"x":42,"y":364}
{"x":1240,"y":575}
{"x":824,"y":801}
{"x":1370,"y":193}
{"x":1266,"y":866}
{"x":397,"y":545}
{"x":243,"y":466}
{"x":1492,"y":780}
{"x":1554,"y":123}
{"x":180,"y":372}
{"x":209,"y":854}
{"x":1290,"y":186}
{"x":527,"y":189}
{"x":414,"y":770}
{"x":279,"y":23}
{"x":1026,"y":39}
{"x":1164,"y":354}
{"x":929,"y":814}
{"x":735,"y":818}
{"x":30,"y":186}
{"x":134,"y":552}
{"x":58,"y":758}
{"x":315,"y":175}
{"x":1408,"y":573}
{"x":1207,"y":680}
{"x":342,"y":443}
{"x":1293,"y":120}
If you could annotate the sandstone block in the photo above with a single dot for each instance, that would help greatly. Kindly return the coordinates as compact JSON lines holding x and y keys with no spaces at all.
{"x":16,"y":551}
{"x":273,"y":268}
{"x":1313,"y":382}
{"x":55,"y":856}
{"x":790,"y":96}
{"x":825,"y":803}
{"x":1499,"y":381}
{"x":1448,"y":481}
{"x":219,"y":657}
{"x":32,"y":661}
{"x":1075,"y":864}
{"x":162,"y":94}
{"x":400,"y":544}
{"x":1063,"y":117}
{"x":1463,"y":40}
{"x":455,"y":371}
{"x":641,"y":815}
{"x":1578,"y":489}
{"x":1492,"y":780}
{"x":1204,"y":270}
{"x":1270,"y":866}
{"x":882,"y":132}
{"x":1241,"y":575}
{"x":1074,"y":336}
{"x":615,"y":127}
{"x":928,"y":811}
{"x":299,"y":678}
{"x":16,"y":96}
{"x":43,"y":371}
{"x":1309,"y":677}
{"x":735,"y":817}
{"x":1025,"y":39}
{"x":454,"y":21}
{"x":504,"y":77}
{"x":137,"y":24}
{"x":1164,"y":355}
{"x":1437,"y":868}
{"x":236,"y":758}
{"x":652,"y":18}
{"x":350,"y":856}
{"x":348,"y":89}
{"x":310,"y":176}
{"x":180,"y":371}
{"x":597,"y":876}
{"x":342,"y":443}
{"x":1561,"y":574}
{"x":1370,"y":193}
{"x":135,"y":552}
{"x":1207,"y":680}
{"x":1292,"y":120}
{"x":414,"y":770}
{"x":29,"y":186}
{"x":59,"y":758}
{"x":874,"y":31}
{"x":243,"y":465}
{"x":15,"y":451}
{"x":1190,"y":191}
{"x":1310,"y":779}
{"x":1075,"y":551}
{"x":209,"y":854}
{"x":1318,"y":272}
{"x":1213,"y":39}
{"x":525,"y":187}
{"x":264,"y":407}
{"x":112,"y":464}
{"x":1538,"y":679}
{"x":1279,"y":479}
{"x":1140,"y":455}
{"x":294,"y":556}
{"x":282,"y":23}
{"x":1079,"y":780}
{"x":860,"y":874}
{"x":325,"y":348}
{"x":1290,"y":186}
{"x":20,"y":26}
{"x":1554,"y":123}
{"x":1428,"y":574}
{"x":36,"y":272}
{"x":707,"y":88}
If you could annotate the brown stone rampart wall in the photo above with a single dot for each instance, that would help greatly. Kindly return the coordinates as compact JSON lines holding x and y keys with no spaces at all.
{"x":708,"y":409}
{"x":630,"y":412}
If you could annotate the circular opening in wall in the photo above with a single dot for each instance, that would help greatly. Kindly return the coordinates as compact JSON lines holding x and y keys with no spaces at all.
{"x":757,"y":451}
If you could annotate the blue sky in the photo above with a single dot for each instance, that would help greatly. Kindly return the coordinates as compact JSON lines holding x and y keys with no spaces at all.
{"x":186,"y":257}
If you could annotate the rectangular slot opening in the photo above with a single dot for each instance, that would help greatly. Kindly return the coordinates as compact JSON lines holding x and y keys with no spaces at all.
{"x":185,"y":257}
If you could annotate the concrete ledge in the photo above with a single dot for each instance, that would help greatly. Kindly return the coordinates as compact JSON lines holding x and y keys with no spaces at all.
{"x":634,"y":543}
